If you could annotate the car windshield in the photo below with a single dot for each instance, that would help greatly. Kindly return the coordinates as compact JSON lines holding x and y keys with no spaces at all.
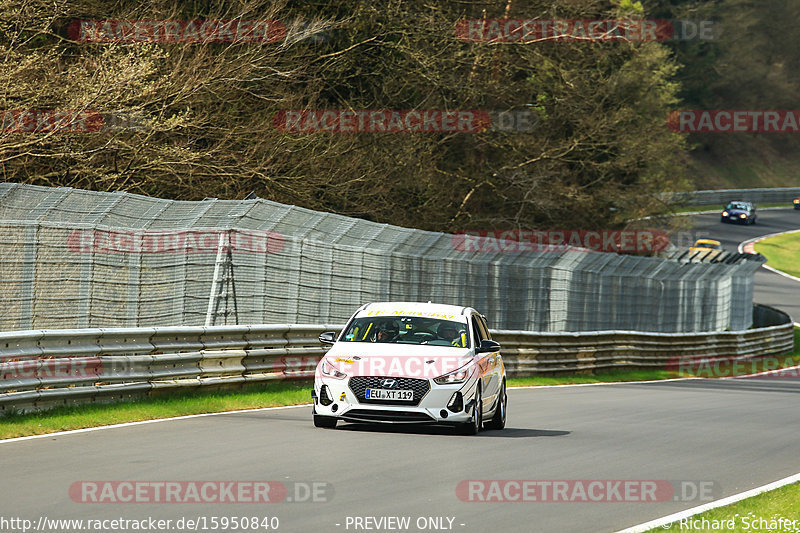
{"x":737,"y":205}
{"x":408,"y":330}
{"x":713,"y":245}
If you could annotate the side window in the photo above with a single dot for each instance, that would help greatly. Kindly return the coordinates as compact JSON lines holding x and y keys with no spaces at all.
{"x":485,"y":328}
{"x":476,"y":331}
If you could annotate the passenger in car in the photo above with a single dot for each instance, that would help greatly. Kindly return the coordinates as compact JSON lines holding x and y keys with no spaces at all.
{"x":387,"y":332}
{"x":450,"y":334}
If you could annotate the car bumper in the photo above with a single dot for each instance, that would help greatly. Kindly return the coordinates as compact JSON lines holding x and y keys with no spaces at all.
{"x":431,"y":409}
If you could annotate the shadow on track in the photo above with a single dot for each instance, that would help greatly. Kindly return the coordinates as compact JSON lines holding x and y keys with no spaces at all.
{"x":422,"y":429}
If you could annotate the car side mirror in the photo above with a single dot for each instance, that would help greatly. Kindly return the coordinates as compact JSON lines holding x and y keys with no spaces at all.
{"x":488,"y":346}
{"x":329,"y":337}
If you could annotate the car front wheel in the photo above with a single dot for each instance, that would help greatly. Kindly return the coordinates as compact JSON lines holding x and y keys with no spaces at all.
{"x":321,"y":421}
{"x":474,"y":426}
{"x":498,"y":421}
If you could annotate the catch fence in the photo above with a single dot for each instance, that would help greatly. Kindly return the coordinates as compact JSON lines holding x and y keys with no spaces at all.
{"x":81,"y":259}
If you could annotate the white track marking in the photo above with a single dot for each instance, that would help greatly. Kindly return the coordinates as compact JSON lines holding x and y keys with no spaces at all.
{"x":664,"y":521}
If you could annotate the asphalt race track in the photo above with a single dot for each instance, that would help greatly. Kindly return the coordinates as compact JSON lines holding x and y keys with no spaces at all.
{"x":723,"y":435}
{"x":770,"y":288}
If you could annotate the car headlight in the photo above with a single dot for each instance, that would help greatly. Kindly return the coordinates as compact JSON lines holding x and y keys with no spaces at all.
{"x":456,"y":376}
{"x":327,"y":369}
{"x":742,"y":216}
{"x":724,"y":213}
{"x":797,"y":201}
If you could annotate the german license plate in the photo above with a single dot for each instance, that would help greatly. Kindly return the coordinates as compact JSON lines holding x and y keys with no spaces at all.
{"x":385,"y":394}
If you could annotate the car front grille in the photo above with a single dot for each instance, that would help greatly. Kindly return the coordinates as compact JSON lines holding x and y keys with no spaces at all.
{"x":359,"y":386}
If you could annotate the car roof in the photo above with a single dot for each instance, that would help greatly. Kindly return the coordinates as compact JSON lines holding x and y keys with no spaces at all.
{"x":432,"y":310}
{"x":706,"y":241}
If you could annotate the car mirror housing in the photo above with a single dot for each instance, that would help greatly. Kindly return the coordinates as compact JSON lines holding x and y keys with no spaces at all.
{"x":329,"y":337}
{"x":488,"y":346}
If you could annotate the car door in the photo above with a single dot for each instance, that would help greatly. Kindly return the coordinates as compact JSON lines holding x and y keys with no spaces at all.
{"x":495,"y":363}
{"x":497,"y":369}
{"x":486,"y":361}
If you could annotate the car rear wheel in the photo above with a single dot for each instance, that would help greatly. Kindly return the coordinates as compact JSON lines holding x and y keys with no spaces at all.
{"x":474,"y":426}
{"x":498,"y":421}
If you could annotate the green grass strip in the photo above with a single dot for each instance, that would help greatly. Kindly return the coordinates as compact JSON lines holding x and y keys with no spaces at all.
{"x":769,"y":511}
{"x":180,"y":403}
{"x":782,"y":252}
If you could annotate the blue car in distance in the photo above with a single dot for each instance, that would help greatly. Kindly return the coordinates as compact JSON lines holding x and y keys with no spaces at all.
{"x":739,"y":212}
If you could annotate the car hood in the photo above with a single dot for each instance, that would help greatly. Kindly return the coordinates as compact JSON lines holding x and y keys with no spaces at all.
{"x":396,"y":360}
{"x":736,"y":211}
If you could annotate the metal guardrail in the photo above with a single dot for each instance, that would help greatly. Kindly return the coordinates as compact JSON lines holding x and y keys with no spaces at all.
{"x":527,"y":353}
{"x":45,"y":368}
{"x":721,"y":197}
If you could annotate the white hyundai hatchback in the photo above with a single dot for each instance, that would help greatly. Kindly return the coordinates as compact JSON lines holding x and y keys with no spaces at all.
{"x":408,"y":362}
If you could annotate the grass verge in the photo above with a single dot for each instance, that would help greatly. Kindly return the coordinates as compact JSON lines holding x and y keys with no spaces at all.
{"x":605,"y":377}
{"x":295,"y":392}
{"x":747,"y":515}
{"x":270,"y":394}
{"x":782,"y":252}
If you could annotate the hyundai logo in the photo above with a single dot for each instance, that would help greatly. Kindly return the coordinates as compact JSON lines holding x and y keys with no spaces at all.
{"x":388,"y":383}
